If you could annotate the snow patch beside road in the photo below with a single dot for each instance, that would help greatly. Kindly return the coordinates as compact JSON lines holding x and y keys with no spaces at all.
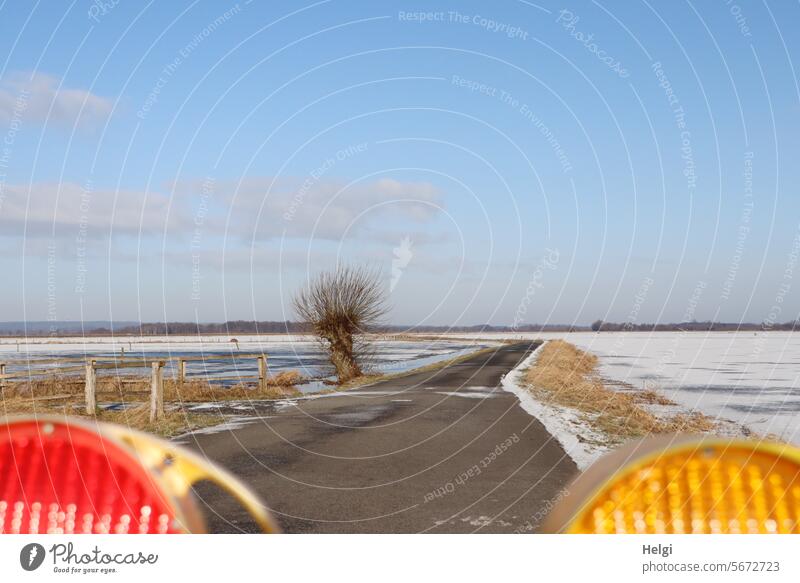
{"x":580,"y":442}
{"x":231,"y":424}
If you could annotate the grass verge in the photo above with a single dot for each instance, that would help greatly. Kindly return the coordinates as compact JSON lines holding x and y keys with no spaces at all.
{"x":174,"y":422}
{"x":566,"y":376}
{"x":65,"y":396}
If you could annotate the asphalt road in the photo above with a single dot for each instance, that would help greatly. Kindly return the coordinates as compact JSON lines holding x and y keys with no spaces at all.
{"x":437,"y":451}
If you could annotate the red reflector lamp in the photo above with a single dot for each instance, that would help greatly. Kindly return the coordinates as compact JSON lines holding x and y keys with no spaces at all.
{"x":64,"y":476}
{"x":677,"y":485}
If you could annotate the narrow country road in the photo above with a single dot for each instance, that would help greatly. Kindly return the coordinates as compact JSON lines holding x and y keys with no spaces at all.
{"x":437,"y":451}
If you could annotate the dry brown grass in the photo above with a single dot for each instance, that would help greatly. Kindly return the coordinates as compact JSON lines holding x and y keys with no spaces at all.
{"x":567,"y":376}
{"x":199,"y":391}
{"x":130,"y":388}
{"x":65,"y":395}
{"x":174,"y":422}
{"x":652,"y":397}
{"x":287,"y":378}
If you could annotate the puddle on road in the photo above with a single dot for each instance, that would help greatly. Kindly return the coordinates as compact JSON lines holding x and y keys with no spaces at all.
{"x":356,"y":418}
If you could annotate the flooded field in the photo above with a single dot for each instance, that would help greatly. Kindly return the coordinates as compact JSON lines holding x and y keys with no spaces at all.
{"x":300,"y":353}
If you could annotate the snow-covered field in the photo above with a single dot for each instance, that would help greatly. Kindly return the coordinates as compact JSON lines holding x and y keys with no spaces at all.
{"x":749,"y":378}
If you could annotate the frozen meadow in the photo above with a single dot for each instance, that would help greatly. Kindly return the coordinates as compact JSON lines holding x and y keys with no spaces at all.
{"x":748,"y":378}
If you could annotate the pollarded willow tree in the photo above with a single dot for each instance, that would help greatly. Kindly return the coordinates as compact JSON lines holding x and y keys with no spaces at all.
{"x":340,"y":306}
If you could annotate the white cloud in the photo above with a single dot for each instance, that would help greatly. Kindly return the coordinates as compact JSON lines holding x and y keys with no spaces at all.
{"x":37,"y":97}
{"x":325,"y":211}
{"x":73,"y":210}
{"x":304,"y":208}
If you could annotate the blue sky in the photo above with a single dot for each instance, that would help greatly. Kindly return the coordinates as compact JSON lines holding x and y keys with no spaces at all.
{"x":505,"y":162}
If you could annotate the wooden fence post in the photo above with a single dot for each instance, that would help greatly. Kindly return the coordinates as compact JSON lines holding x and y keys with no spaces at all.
{"x":181,"y":371}
{"x":262,"y":372}
{"x":156,"y":393}
{"x":2,"y":375}
{"x":91,"y":387}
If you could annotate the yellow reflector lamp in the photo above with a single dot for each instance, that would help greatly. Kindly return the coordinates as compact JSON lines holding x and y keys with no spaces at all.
{"x":680,"y":485}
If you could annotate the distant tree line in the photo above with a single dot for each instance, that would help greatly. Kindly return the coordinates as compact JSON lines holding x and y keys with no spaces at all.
{"x":289,"y":327}
{"x":230,"y":327}
{"x":693,"y":326}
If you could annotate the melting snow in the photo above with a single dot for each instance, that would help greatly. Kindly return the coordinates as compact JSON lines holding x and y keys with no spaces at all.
{"x":579,"y":441}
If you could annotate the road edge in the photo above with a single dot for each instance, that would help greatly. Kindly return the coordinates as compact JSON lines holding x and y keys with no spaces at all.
{"x":559,"y":422}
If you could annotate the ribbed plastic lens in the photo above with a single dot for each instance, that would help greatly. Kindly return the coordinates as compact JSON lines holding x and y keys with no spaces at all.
{"x":731,"y":489}
{"x":59,"y":478}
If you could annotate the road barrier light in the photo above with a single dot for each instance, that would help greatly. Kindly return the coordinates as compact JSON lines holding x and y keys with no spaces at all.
{"x":677,"y":485}
{"x":63,"y":476}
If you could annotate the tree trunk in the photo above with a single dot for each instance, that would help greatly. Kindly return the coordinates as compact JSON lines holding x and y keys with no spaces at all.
{"x":342,"y":358}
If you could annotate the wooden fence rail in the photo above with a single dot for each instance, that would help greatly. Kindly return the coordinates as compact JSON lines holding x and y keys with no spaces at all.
{"x":90,"y":367}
